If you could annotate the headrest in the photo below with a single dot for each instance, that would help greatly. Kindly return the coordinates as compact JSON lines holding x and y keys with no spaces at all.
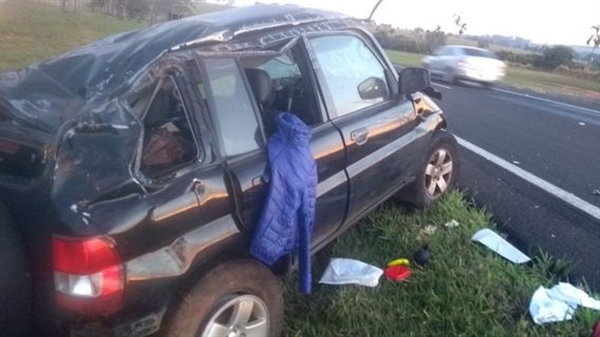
{"x":261,"y":84}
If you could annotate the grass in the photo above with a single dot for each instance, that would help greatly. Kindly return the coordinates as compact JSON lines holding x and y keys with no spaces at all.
{"x":467,"y":290}
{"x":31,"y":32}
{"x":523,"y":78}
{"x":405,"y":59}
{"x":547,"y":82}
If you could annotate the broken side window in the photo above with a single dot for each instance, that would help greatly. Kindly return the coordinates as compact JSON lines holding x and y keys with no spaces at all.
{"x":168,"y":137}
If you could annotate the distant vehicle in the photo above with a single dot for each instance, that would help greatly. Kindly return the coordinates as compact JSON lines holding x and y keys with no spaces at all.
{"x":132,"y":170}
{"x":455,"y":63}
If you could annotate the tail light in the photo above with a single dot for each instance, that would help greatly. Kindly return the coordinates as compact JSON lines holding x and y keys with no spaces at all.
{"x":88,"y":275}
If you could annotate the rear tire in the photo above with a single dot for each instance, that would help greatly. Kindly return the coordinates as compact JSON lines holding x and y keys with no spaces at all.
{"x":437,"y":175}
{"x":15,"y":282}
{"x":238,"y":296}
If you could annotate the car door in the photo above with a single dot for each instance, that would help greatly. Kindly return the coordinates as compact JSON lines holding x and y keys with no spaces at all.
{"x":239,"y":138}
{"x":377,"y":129}
{"x":237,"y":119}
{"x":184,"y":182}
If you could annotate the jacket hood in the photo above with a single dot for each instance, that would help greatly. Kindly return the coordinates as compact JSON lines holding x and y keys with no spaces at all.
{"x":292,"y":129}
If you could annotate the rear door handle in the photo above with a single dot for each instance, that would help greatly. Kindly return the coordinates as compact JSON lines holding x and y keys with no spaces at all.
{"x":198,"y":187}
{"x":360,"y":136}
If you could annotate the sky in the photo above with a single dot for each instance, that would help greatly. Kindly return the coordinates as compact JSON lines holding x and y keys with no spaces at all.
{"x":541,"y":21}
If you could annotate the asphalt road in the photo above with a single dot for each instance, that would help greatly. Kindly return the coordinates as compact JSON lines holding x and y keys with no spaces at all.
{"x":555,"y":139}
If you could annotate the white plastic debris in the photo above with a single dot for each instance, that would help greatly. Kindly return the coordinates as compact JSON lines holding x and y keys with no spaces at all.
{"x":581,"y":123}
{"x":451,"y":224}
{"x":559,"y":303}
{"x":495,"y":242}
{"x":429,"y":230}
{"x":348,"y":271}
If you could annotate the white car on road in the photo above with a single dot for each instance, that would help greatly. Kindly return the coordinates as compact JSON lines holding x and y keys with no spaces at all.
{"x":455,"y":63}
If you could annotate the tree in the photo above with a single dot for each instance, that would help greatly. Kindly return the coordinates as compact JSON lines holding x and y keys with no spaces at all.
{"x":483,"y":44}
{"x":435,"y":39}
{"x":594,"y":38}
{"x":462,"y":26}
{"x":137,"y":9}
{"x":556,"y":56}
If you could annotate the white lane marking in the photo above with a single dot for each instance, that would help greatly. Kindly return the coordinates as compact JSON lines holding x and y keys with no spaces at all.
{"x":441,"y":85}
{"x":548,"y":100}
{"x":558,"y":192}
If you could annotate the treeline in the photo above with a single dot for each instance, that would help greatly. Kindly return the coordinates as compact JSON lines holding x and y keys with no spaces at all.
{"x":550,"y":58}
{"x":413,"y":41}
{"x":422,"y":41}
{"x":151,"y":10}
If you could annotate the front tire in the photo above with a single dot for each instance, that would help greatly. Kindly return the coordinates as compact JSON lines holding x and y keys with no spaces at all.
{"x":236,"y":298}
{"x":450,"y":76}
{"x":437,"y":175}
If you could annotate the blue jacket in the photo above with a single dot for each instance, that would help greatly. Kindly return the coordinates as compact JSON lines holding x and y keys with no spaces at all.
{"x":287,"y":217}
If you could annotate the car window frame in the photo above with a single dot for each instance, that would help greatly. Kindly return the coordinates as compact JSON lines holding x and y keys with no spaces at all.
{"x":211,"y":110}
{"x":181,"y":81}
{"x":322,"y":88}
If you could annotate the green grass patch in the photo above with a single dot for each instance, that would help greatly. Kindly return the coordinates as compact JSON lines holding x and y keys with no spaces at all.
{"x":467,"y":290}
{"x":405,"y":59}
{"x":547,"y":82}
{"x":31,"y":32}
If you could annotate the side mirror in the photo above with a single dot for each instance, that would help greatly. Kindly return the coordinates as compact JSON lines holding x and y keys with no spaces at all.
{"x":372,"y":88}
{"x":413,"y":79}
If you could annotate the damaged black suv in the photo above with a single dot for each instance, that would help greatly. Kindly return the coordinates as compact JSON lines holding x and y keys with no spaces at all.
{"x":133,"y":170}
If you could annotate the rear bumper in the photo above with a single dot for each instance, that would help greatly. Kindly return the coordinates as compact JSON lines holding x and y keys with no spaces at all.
{"x":138,"y":327}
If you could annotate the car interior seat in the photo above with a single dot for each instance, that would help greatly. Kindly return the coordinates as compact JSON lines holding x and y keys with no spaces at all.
{"x":263,"y":90}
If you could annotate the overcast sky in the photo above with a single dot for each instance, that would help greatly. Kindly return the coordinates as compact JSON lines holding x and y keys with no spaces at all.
{"x":542,"y":21}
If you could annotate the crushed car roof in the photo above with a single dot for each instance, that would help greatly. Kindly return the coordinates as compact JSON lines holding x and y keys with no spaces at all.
{"x":94,"y":71}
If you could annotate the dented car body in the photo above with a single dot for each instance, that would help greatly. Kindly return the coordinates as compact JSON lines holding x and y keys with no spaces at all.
{"x":149,"y":146}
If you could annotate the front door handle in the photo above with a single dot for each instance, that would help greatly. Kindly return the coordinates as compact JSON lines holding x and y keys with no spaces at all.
{"x":360,"y":136}
{"x":261,"y":179}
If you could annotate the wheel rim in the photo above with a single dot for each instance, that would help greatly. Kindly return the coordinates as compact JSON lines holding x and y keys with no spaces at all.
{"x":242,"y":316}
{"x":438,"y":173}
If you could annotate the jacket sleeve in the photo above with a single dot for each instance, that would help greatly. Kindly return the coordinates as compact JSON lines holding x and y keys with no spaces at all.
{"x":306,"y":225}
